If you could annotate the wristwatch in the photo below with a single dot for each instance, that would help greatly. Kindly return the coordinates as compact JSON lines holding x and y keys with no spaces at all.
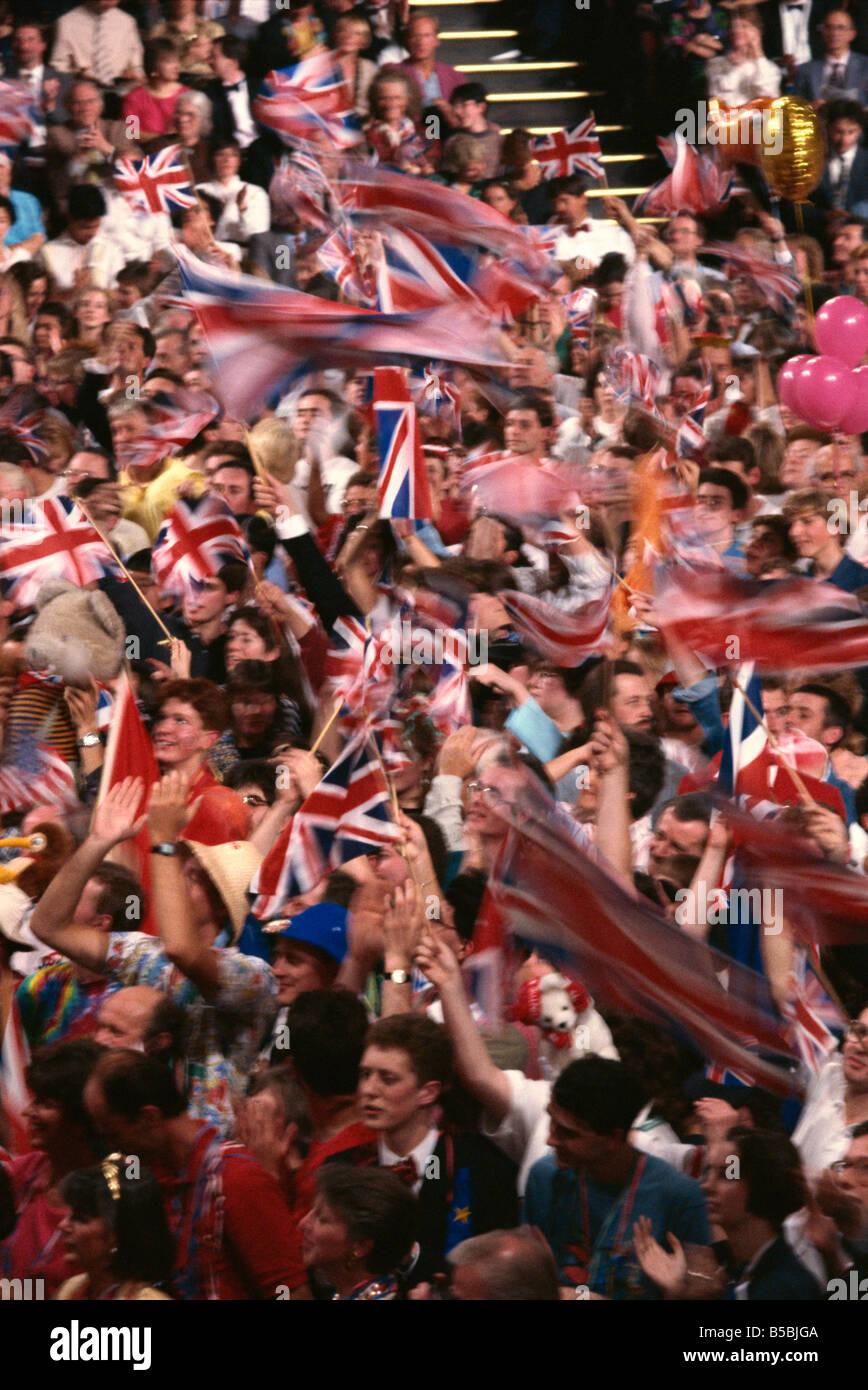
{"x":88,"y":741}
{"x":167,"y":847}
{"x":398,"y":977}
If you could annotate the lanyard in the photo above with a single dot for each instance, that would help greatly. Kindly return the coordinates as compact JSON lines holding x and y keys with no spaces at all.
{"x":618,"y":1248}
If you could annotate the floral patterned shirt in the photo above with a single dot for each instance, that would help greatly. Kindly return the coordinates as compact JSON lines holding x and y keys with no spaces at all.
{"x":224,"y":1032}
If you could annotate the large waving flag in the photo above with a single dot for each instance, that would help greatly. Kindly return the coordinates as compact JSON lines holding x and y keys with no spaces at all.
{"x":513,"y":486}
{"x":575,"y":151}
{"x":53,"y":540}
{"x":339,"y":260}
{"x":697,"y":183}
{"x":130,"y":753}
{"x":555,"y":896}
{"x":782,"y":625}
{"x":160,"y":182}
{"x":346,"y":815}
{"x":173,"y":422}
{"x":197,"y":538}
{"x":404,"y":490}
{"x":309,"y":99}
{"x":415,"y":274}
{"x":261,"y":336}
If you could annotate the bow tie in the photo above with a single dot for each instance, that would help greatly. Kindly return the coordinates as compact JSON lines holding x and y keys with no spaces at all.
{"x":406,"y":1170}
{"x":235,"y":87}
{"x":585,"y":227}
{"x":796,"y":5}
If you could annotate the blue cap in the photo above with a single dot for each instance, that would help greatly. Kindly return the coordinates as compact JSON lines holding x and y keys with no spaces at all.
{"x":324,"y":925}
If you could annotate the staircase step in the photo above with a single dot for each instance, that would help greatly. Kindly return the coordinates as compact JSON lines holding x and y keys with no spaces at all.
{"x":502,"y":80}
{"x":515,"y":67}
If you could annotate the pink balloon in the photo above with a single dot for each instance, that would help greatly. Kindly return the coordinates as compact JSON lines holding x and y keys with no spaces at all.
{"x":825,"y":392}
{"x":856,"y":418}
{"x":787,"y":378}
{"x":841,"y":329}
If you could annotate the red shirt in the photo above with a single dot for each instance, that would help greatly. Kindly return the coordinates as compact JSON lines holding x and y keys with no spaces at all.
{"x":233,"y":1232}
{"x":35,"y":1249}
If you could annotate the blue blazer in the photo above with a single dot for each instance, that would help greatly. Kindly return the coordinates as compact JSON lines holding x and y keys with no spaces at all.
{"x":808,"y":81}
{"x":857,"y":188}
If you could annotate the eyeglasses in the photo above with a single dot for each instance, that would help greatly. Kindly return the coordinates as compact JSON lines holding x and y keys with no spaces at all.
{"x":251,"y":800}
{"x":844,"y":1165}
{"x":857,"y":1030}
{"x":490,"y":795}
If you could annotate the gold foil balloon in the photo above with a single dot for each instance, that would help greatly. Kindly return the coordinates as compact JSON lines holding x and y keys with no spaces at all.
{"x":793,"y":150}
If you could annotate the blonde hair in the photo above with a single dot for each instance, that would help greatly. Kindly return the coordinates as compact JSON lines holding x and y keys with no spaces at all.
{"x":273,"y":445}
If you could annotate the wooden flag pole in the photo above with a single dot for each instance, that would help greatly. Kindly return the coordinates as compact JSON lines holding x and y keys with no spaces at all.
{"x":154,"y":614}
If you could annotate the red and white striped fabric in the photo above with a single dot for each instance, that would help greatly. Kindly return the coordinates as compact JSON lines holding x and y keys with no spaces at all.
{"x":567,"y":639}
{"x":14,"y":1095}
{"x":51,"y":784}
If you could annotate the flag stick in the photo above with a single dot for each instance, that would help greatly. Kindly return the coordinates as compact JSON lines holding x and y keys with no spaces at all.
{"x":325,"y":728}
{"x":157,"y":619}
{"x":396,"y":811}
{"x":802,"y":789}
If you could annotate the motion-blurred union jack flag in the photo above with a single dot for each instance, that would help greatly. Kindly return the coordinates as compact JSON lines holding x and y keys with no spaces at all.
{"x":158,"y":183}
{"x":54,"y":540}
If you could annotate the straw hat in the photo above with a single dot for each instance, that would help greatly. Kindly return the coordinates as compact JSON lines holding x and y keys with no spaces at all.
{"x":230,"y":867}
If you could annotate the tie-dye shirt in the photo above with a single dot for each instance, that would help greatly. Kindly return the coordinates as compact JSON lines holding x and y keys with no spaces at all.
{"x":224,"y":1032}
{"x":54,"y":1004}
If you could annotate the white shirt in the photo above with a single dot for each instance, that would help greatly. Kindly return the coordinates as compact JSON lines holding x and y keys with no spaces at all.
{"x":239,"y":102}
{"x":794,"y":31}
{"x":831,"y":64}
{"x":822,"y":1135}
{"x":234,"y":224}
{"x":33,"y":80}
{"x":593,"y":241}
{"x":64,"y":257}
{"x":735,"y":83}
{"x":838,"y":162}
{"x":420,"y":1156}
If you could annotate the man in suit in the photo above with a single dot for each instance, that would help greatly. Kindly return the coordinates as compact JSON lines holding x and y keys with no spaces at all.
{"x":86,"y":144}
{"x":791,"y":35}
{"x":49,"y":86}
{"x":840,"y":73}
{"x":465,"y":1185}
{"x":231,"y":93}
{"x":844,"y":184}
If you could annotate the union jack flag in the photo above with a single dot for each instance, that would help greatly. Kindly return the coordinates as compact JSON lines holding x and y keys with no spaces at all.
{"x":338,"y":258}
{"x":299,"y":180}
{"x":811,"y":1016}
{"x":54,"y":540}
{"x":695,"y":184}
{"x":636,"y":377}
{"x":312,"y":96}
{"x":573,"y":151}
{"x":21,"y":415}
{"x":355,"y":665}
{"x":16,"y":106}
{"x":157,"y":183}
{"x":581,"y":307}
{"x":346,"y":815}
{"x":415,"y":274}
{"x":197,"y":538}
{"x":433,"y":388}
{"x":778,"y":284}
{"x":690,"y":438}
{"x":567,"y":639}
{"x":546,"y":238}
{"x":404,"y":490}
{"x":172,"y":423}
{"x":45,"y":781}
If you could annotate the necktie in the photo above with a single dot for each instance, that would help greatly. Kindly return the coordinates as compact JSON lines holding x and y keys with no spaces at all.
{"x":839,"y":188}
{"x":103,"y":66}
{"x":405,"y":1169}
{"x":836,"y":77}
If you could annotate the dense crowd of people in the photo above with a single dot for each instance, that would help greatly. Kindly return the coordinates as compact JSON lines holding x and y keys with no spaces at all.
{"x":284,"y":1013}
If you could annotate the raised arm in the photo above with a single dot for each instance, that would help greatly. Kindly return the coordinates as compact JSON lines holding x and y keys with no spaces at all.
{"x":475,"y":1068}
{"x":168,"y":814}
{"x":114,"y":820}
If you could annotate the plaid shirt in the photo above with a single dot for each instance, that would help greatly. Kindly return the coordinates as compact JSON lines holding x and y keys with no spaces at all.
{"x":224,"y":1031}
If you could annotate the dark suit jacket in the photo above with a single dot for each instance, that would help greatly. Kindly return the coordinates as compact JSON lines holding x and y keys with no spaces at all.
{"x":810,"y":85}
{"x":857,"y":188}
{"x":475,"y":1192}
{"x":779,"y":1274}
{"x":773,"y":44}
{"x":223,"y":121}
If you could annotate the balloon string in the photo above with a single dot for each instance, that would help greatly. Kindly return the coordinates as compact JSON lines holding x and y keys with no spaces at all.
{"x":809,"y":297}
